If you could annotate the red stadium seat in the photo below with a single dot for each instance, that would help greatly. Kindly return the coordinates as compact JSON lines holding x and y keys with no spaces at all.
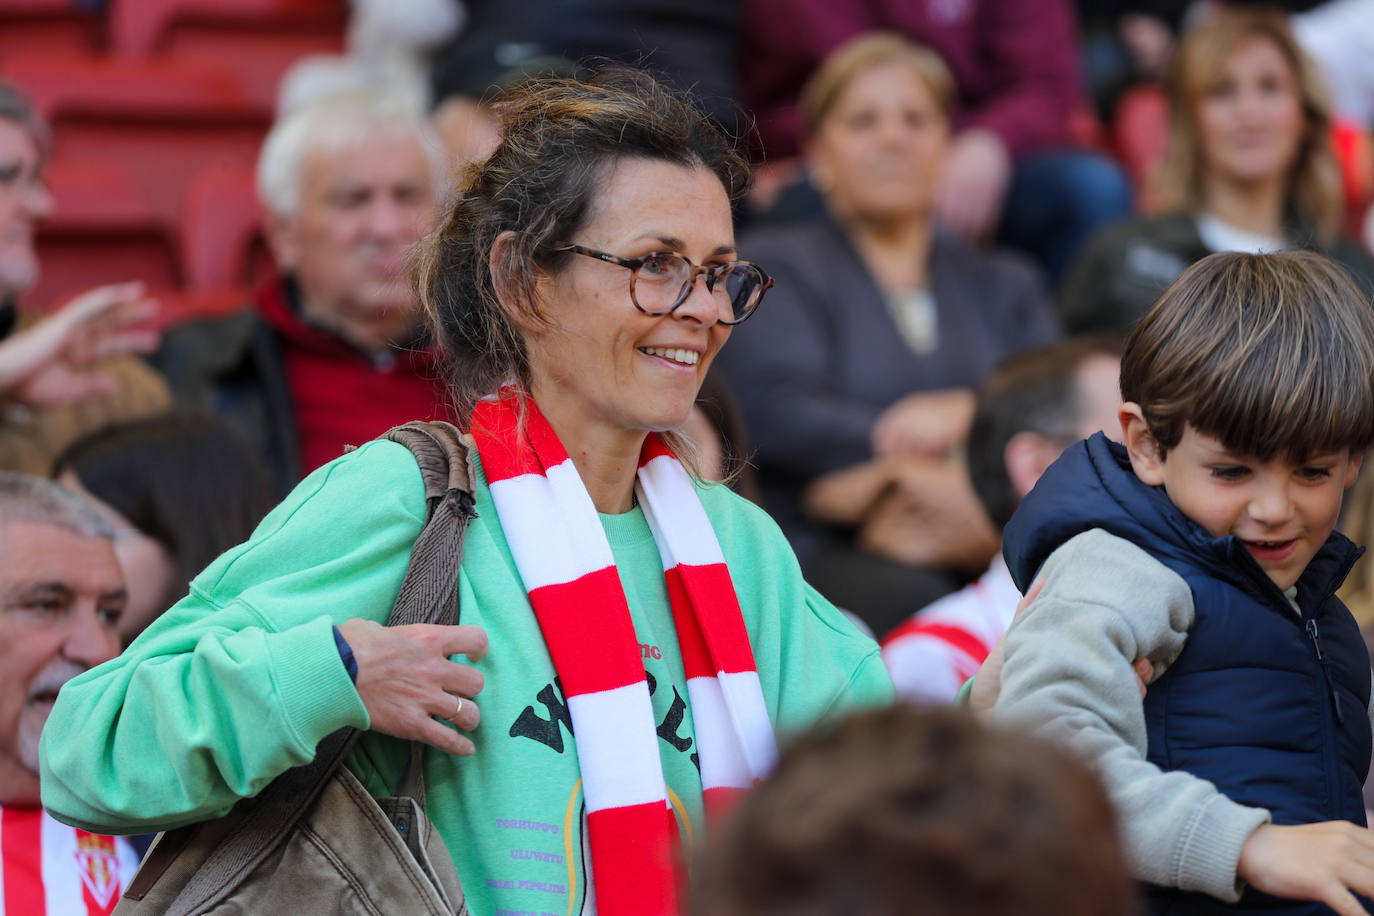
{"x":1140,"y":130}
{"x":257,"y":39}
{"x":102,"y":230}
{"x":48,"y":27}
{"x":96,"y":196}
{"x":73,"y":264}
{"x":72,"y":85}
{"x":1085,"y":130}
{"x":159,"y":121}
{"x":1355,"y":151}
{"x":221,"y":230}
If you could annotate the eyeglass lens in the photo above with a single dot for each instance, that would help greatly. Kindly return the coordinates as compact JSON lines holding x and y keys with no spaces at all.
{"x":665,"y":281}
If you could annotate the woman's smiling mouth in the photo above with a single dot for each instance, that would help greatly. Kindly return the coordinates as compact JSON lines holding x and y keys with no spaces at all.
{"x":678,"y":355}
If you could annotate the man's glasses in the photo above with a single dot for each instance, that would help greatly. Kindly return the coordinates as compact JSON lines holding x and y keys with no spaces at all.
{"x":660,"y":281}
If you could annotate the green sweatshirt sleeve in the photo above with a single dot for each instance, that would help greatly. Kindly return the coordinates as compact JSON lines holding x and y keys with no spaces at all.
{"x":869,"y":683}
{"x":241,"y":679}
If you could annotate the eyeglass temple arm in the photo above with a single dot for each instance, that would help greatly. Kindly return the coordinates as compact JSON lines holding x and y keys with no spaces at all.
{"x":602,"y":256}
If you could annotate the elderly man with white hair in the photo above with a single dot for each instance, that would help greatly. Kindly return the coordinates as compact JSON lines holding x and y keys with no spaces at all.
{"x":61,"y":594}
{"x":334,"y":352}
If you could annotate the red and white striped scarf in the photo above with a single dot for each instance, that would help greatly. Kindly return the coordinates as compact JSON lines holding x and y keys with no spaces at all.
{"x":567,"y":567}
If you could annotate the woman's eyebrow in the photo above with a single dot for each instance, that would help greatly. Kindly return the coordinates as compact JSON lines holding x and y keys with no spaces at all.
{"x":678,"y":244}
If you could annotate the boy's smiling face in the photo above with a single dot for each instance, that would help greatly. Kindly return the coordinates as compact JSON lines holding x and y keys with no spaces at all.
{"x":1282,"y":512}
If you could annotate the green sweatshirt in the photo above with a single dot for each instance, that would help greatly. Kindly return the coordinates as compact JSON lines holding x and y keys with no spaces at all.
{"x":241,"y":679}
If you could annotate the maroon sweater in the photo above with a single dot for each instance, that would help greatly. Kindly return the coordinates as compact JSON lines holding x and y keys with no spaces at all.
{"x":342,"y":396}
{"x":1015,"y":62}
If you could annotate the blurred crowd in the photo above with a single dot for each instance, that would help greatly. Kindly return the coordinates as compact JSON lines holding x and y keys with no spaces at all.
{"x":964,"y":205}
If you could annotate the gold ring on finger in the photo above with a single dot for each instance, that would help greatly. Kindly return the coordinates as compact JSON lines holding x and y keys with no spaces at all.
{"x":454,"y":718}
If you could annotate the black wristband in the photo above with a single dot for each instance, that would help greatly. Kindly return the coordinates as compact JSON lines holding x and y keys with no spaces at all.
{"x":346,"y":655}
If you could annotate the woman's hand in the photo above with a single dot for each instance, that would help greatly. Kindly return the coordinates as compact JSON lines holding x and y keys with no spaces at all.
{"x":1323,"y":862}
{"x":406,"y":680}
{"x":926,"y":423}
{"x":55,"y":361}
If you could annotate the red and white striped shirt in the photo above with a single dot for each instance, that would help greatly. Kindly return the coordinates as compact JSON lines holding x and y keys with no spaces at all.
{"x":943,"y":644}
{"x":50,"y":869}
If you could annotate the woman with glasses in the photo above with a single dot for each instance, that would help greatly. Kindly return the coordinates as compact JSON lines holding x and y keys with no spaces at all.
{"x":881,"y":324}
{"x":642,"y":636}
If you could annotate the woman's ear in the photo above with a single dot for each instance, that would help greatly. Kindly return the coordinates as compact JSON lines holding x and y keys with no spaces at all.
{"x":519,"y":309}
{"x":1141,"y":445}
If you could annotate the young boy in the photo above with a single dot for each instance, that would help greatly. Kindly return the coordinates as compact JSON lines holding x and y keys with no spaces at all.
{"x":1206,"y":545}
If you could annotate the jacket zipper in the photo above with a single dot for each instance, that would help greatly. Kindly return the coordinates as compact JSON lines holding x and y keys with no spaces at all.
{"x":1330,"y":754}
{"x":1310,"y":625}
{"x":1314,"y":633}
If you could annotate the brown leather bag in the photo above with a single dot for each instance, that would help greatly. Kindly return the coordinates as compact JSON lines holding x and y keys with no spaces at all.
{"x":314,"y":841}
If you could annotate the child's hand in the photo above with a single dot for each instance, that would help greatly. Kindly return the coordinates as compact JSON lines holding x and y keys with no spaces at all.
{"x":1323,"y":862}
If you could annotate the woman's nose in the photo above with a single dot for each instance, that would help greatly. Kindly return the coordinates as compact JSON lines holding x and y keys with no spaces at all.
{"x":704,"y":300}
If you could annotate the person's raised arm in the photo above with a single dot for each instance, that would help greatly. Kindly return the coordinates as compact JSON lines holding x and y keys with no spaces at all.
{"x":56,"y":361}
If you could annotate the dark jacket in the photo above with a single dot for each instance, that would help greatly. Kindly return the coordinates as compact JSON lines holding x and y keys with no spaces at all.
{"x":299,"y":392}
{"x":1123,"y":270}
{"x":822,"y":358}
{"x":1269,"y":706}
{"x":234,"y":367}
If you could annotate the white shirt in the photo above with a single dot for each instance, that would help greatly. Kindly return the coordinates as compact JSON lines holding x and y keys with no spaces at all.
{"x":1218,"y":235}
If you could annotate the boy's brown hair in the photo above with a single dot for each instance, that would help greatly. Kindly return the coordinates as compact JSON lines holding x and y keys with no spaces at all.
{"x":1271,"y":354}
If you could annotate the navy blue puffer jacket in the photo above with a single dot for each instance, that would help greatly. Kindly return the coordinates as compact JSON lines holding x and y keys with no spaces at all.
{"x":1268,"y":705}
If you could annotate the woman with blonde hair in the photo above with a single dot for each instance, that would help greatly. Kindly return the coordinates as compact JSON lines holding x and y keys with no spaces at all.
{"x":1250,"y":167}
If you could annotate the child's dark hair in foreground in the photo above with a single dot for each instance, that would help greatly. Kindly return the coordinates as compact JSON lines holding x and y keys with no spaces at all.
{"x":1206,"y":545}
{"x":903,"y":811}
